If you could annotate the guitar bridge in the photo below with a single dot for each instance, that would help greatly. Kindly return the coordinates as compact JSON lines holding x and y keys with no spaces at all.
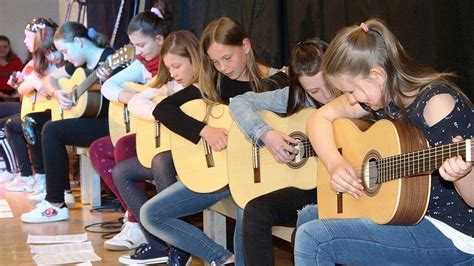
{"x":74,"y":97}
{"x":157,"y":134}
{"x":126,"y":118}
{"x":256,"y":163}
{"x":208,"y":154}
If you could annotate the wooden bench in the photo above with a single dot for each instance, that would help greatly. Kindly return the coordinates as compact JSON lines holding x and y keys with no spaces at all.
{"x":214,"y":222}
{"x":90,"y":179}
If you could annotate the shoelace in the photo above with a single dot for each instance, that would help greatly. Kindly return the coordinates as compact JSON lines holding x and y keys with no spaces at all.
{"x":172,"y":257}
{"x":142,"y":249}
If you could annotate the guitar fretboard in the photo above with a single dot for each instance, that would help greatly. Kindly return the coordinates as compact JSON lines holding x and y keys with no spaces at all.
{"x":419,"y":162}
{"x":85,"y":85}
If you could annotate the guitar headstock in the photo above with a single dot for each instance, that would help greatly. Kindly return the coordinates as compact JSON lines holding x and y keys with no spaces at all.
{"x":122,"y":56}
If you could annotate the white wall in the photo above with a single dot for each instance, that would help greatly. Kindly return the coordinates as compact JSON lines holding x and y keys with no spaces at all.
{"x":15,"y":14}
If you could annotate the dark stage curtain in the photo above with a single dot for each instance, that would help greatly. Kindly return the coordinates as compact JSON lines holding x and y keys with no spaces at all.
{"x":437,"y":33}
{"x":101,"y":15}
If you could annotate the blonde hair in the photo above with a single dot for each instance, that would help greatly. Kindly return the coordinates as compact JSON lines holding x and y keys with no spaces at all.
{"x":355,"y":50}
{"x":225,"y":31}
{"x":182,"y":43}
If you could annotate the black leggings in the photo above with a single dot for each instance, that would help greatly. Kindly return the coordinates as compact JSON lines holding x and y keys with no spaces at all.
{"x":14,"y":132}
{"x":55,"y":136}
{"x":278,"y":208}
{"x":8,"y":110}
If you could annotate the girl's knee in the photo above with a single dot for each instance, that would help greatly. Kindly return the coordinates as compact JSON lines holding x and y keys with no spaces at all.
{"x":308,"y":213}
{"x":149,"y":214}
{"x":49,"y":130}
{"x":9,"y":125}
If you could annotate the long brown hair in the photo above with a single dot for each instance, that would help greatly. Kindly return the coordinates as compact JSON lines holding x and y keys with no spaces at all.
{"x":182,"y":43}
{"x":225,"y":31}
{"x":305,"y":59}
{"x":43,"y":45}
{"x":356,"y":50}
{"x":70,"y":30}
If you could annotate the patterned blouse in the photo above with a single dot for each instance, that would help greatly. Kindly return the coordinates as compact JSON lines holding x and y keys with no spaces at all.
{"x":445,"y":204}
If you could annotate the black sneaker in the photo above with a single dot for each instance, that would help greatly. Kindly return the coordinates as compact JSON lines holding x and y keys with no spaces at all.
{"x":145,"y":254}
{"x":178,"y":257}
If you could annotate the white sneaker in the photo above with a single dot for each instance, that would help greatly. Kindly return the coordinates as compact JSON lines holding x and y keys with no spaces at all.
{"x":125,"y":217}
{"x":69,"y":199}
{"x":37,"y":198}
{"x":21,"y":184}
{"x":130,"y":237}
{"x":6,"y":176}
{"x":45,"y":213}
{"x":40,"y":185}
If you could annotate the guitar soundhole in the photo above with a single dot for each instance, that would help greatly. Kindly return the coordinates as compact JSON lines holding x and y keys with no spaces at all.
{"x":300,"y":159}
{"x":369,"y":173}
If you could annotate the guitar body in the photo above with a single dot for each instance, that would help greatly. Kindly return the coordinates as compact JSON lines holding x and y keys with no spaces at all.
{"x":399,"y":201}
{"x":88,"y":104}
{"x":121,"y":121}
{"x":152,"y":138}
{"x":198,"y":172}
{"x":33,"y":103}
{"x":245,"y":183}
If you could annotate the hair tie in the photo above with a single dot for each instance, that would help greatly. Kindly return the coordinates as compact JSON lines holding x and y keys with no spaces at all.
{"x":364,"y":27}
{"x":39,"y":23}
{"x":157,"y":12}
{"x":92,"y":33}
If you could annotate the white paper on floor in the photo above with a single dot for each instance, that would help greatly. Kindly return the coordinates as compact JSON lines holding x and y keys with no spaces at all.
{"x":63,"y":258}
{"x":39,"y":239}
{"x":4,"y":215}
{"x":5,"y":208}
{"x":87,"y":263}
{"x":61,"y":248}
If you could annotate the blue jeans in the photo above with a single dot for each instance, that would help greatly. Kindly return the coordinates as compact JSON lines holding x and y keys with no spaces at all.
{"x":127,"y":176}
{"x":160,"y":216}
{"x":362,"y":242}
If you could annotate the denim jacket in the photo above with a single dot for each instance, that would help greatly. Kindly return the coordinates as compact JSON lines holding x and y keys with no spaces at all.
{"x":244,"y":109}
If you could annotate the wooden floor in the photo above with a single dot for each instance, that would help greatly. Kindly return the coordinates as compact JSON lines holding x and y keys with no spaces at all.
{"x":13,"y":233}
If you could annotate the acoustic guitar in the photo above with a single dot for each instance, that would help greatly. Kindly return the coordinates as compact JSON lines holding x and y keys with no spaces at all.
{"x":394,"y":163}
{"x":121,"y":121}
{"x":34,"y":102}
{"x":152,"y":138}
{"x":84,"y":92}
{"x":199,"y":167}
{"x":254,"y":172}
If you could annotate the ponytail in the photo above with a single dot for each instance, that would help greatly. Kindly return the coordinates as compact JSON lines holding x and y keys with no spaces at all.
{"x":70,"y":30}
{"x":157,"y":21}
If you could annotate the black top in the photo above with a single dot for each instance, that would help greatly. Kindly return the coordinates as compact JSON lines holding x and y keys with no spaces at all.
{"x":169,"y":113}
{"x":445,"y":203}
{"x":70,"y":68}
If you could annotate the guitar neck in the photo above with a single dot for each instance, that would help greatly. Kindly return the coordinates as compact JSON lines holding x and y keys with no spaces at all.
{"x":419,"y":162}
{"x":86,"y":84}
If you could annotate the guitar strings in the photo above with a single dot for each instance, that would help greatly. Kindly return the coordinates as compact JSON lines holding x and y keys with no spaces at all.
{"x":401,"y":165}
